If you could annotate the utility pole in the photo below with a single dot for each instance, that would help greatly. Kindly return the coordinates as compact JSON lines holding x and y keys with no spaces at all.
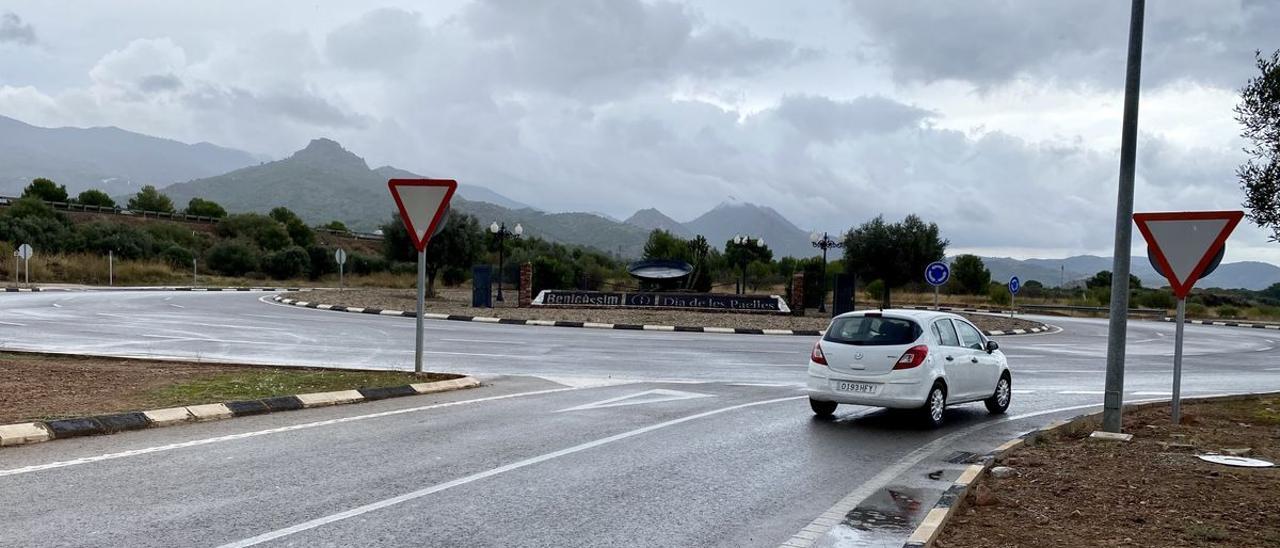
{"x":1113,"y":399}
{"x":193,"y":272}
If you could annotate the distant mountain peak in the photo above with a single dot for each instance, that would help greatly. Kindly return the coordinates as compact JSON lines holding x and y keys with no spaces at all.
{"x":652,"y":219}
{"x":329,"y":151}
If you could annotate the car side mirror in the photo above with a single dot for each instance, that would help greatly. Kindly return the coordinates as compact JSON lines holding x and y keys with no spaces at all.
{"x":992,"y":346}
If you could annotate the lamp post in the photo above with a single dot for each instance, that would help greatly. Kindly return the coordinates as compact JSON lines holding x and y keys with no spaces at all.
{"x":746,"y":241}
{"x":824,"y":242}
{"x":500,"y":234}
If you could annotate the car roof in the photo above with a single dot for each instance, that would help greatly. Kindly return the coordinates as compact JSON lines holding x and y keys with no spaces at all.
{"x":922,"y":316}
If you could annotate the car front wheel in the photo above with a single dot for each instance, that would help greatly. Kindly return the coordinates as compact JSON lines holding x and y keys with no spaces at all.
{"x":822,"y":408}
{"x":998,"y":403}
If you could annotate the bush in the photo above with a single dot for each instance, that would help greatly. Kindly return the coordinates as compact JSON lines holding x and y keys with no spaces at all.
{"x":453,"y":276}
{"x":233,"y":258}
{"x":44,"y":189}
{"x":1196,"y":310}
{"x":205,"y":208}
{"x":1228,"y":312}
{"x":322,"y":262}
{"x":177,"y":256}
{"x":999,"y":294}
{"x":45,"y":234}
{"x":364,"y":264}
{"x":286,"y":264}
{"x":549,"y":273}
{"x":1156,"y":299}
{"x":264,"y":231}
{"x":126,"y":241}
{"x":94,"y":197}
{"x":300,"y":233}
{"x":874,"y":291}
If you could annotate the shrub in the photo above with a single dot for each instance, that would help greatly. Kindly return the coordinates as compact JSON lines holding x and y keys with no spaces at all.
{"x":364,"y":264}
{"x":150,"y":199}
{"x":550,"y":273}
{"x":44,"y":189}
{"x":1156,"y":299}
{"x":177,"y":256}
{"x":1196,"y":310}
{"x":94,"y":197}
{"x":233,"y":258}
{"x":1228,"y":312}
{"x":205,"y":208}
{"x":322,"y":262}
{"x":453,"y":276}
{"x":286,"y":264}
{"x":300,"y":233}
{"x":999,"y":294}
{"x":45,"y":234}
{"x":874,"y":291}
{"x":126,"y":241}
{"x":264,"y":231}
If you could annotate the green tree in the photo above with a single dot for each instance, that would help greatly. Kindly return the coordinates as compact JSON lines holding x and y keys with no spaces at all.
{"x":458,"y":244}
{"x":1259,"y":116}
{"x":970,"y":274}
{"x":665,"y":245}
{"x":31,"y":221}
{"x":703,"y":255}
{"x":741,"y":255}
{"x":95,"y":197}
{"x":150,"y":199}
{"x":262,"y":230}
{"x":893,"y":253}
{"x":1103,"y":279}
{"x":205,"y":208}
{"x":46,"y":190}
{"x":287,"y":263}
{"x":336,"y":226}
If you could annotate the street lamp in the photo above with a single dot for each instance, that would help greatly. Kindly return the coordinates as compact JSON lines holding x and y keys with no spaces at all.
{"x":824,"y":242}
{"x":746,"y":259}
{"x":500,"y":233}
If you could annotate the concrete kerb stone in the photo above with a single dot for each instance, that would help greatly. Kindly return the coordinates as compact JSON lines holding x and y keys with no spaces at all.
{"x":1042,"y":328}
{"x":36,"y":432}
{"x":927,"y":532}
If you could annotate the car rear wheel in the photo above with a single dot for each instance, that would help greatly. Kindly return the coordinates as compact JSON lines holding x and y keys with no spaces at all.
{"x":998,"y":403}
{"x":822,"y":408}
{"x":934,"y":405}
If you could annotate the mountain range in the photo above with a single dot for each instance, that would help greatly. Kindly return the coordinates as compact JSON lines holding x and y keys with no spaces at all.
{"x":106,"y":158}
{"x":1072,"y":271}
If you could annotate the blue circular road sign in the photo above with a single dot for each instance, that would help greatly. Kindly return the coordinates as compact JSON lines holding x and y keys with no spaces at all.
{"x":937,"y":273}
{"x":1014,"y":285}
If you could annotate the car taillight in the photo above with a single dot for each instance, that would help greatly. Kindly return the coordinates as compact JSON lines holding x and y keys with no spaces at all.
{"x":913,"y":357}
{"x":817,"y":356}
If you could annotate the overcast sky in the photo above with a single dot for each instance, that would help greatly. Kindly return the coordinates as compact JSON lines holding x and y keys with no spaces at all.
{"x":997,"y":119}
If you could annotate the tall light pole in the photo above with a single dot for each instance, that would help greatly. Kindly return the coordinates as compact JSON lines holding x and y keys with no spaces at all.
{"x":824,"y":242}
{"x":746,"y":241}
{"x":1113,"y":399}
{"x":500,"y":234}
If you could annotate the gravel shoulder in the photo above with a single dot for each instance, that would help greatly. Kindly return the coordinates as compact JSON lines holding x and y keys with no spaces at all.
{"x":452,"y":301}
{"x":1066,"y":490}
{"x":52,"y":386}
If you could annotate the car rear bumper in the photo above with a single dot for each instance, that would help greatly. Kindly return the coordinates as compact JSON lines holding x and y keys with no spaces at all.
{"x":899,"y":389}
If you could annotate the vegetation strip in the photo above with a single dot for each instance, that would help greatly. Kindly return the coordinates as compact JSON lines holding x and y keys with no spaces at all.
{"x":40,"y":431}
{"x":631,"y":327}
{"x":953,"y":498}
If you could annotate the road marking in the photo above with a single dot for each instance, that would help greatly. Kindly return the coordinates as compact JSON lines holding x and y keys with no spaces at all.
{"x":648,"y":396}
{"x":56,"y":305}
{"x":1023,"y":391}
{"x":254,"y":434}
{"x":360,"y":510}
{"x":1082,"y":392}
{"x":176,"y":305}
{"x":15,"y":324}
{"x":477,"y":341}
{"x":1268,"y":369}
{"x":1151,"y":393}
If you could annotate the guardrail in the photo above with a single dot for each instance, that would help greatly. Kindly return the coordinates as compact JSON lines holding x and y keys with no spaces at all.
{"x":175,"y":216}
{"x":1096,"y":309}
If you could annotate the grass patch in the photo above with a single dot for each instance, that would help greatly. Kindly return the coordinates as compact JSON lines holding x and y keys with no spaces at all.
{"x":257,"y":384}
{"x":1206,"y":533}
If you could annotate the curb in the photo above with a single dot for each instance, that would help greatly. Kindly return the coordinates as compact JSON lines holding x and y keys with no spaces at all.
{"x":1227,"y":323}
{"x":953,"y":498}
{"x":593,"y":325}
{"x":27,"y":433}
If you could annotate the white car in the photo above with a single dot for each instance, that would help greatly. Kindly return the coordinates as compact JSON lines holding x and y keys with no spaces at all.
{"x":907,"y":359}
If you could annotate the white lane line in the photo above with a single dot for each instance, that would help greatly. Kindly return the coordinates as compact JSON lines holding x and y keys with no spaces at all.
{"x":1082,"y":392}
{"x":1268,"y":369}
{"x":1151,"y":393}
{"x":176,"y":305}
{"x":1023,"y":391}
{"x":14,"y":324}
{"x":360,"y":510}
{"x":56,"y":305}
{"x":254,"y":434}
{"x":477,"y":341}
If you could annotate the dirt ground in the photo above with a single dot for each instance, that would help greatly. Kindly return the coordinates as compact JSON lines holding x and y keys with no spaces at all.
{"x":453,"y":301}
{"x":1153,"y":491}
{"x":44,"y":386}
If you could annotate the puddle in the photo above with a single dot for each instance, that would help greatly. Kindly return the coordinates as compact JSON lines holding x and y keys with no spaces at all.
{"x":883,"y":519}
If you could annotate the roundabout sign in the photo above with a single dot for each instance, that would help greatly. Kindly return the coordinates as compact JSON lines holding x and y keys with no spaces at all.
{"x":937,"y":274}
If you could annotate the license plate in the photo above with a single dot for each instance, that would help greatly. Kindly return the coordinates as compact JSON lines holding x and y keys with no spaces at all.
{"x":859,"y":387}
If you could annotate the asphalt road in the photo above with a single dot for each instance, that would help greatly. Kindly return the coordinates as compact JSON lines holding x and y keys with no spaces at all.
{"x":579,"y":438}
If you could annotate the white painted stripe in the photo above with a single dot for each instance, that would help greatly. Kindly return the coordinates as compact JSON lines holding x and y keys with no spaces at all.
{"x":778,"y":332}
{"x":176,"y":305}
{"x":594,"y":325}
{"x":1151,"y":393}
{"x":14,"y":324}
{"x":254,"y":434}
{"x":1082,"y":392}
{"x":325,"y":307}
{"x":434,"y":316}
{"x":717,"y":330}
{"x":544,"y":323}
{"x":349,"y":309}
{"x":483,"y":319}
{"x":360,"y":510}
{"x":482,"y":341}
{"x":659,"y":328}
{"x":390,"y":313}
{"x":1023,"y":391}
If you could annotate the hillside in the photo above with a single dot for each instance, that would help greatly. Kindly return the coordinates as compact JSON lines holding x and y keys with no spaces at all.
{"x":729,"y":219}
{"x":652,"y":219}
{"x":1239,"y":275}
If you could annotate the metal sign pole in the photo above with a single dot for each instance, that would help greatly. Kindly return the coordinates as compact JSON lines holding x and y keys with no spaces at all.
{"x":193,"y":272}
{"x":422,"y":299}
{"x":26,"y":268}
{"x":935,"y":297}
{"x":341,"y":267}
{"x":1177,"y":361}
{"x":111,"y":267}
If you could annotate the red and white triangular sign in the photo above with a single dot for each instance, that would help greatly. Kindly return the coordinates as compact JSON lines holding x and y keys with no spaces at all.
{"x":1184,"y":243}
{"x":422,"y":204}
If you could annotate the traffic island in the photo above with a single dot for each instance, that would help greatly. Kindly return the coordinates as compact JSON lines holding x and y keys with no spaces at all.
{"x":454,"y":305}
{"x":52,"y":396}
{"x":1064,"y":487}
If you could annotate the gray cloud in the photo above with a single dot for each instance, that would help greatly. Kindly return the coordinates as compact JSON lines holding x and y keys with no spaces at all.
{"x":13,"y":30}
{"x":382,"y":39}
{"x":828,"y":120}
{"x":988,"y":42}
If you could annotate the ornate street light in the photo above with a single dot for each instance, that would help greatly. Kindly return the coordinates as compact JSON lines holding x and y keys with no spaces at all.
{"x":824,"y":242}
{"x":746,"y":241}
{"x":500,"y":234}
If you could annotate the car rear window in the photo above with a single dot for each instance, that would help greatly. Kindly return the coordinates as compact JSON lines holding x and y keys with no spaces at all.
{"x":873,"y":331}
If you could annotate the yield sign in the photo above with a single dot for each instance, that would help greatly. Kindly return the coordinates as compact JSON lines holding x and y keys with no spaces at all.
{"x":1184,"y":243}
{"x":422,"y":203}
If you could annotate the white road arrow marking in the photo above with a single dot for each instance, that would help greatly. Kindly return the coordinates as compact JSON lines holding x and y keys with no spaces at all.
{"x":649,"y":396}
